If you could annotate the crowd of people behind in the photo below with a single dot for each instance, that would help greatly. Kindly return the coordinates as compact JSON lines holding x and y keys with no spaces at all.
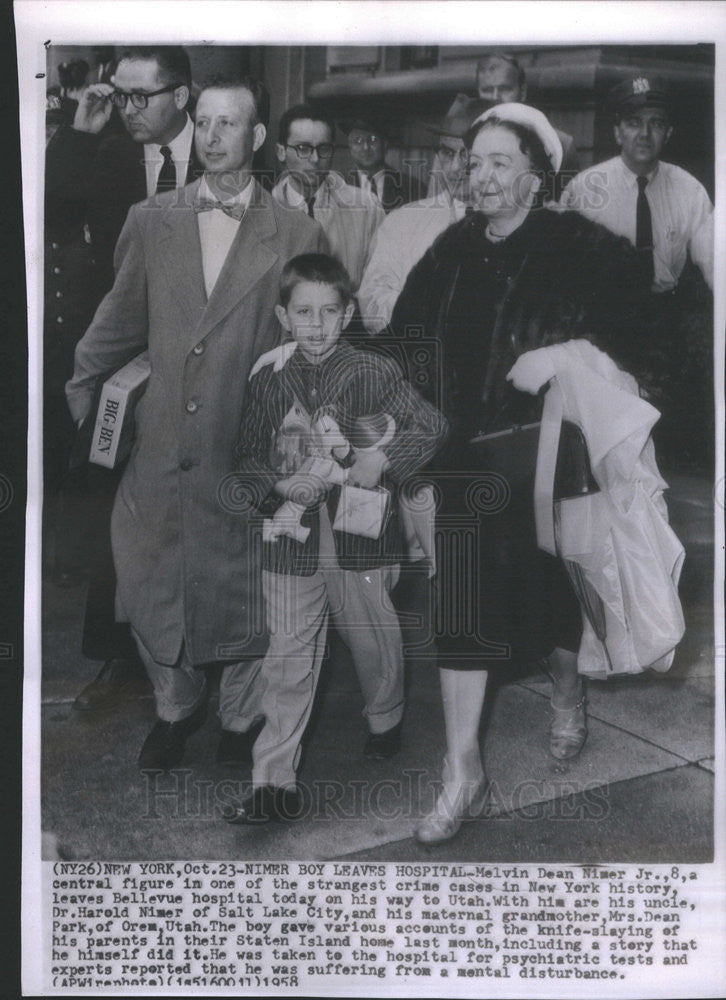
{"x":296,"y":443}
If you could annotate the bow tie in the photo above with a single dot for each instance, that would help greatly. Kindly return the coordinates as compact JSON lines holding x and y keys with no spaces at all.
{"x":234,"y":209}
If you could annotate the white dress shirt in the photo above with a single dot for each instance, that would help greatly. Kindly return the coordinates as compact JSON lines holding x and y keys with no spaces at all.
{"x":348,"y":216}
{"x":680,"y":209}
{"x":400,"y":242}
{"x":181,"y":149}
{"x":379,"y":178}
{"x":217,"y":231}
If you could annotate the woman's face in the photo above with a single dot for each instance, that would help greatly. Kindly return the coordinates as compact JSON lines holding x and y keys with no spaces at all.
{"x":501,"y":179}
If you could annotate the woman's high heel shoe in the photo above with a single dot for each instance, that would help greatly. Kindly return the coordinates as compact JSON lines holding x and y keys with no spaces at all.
{"x":445,"y":819}
{"x":568,"y":730}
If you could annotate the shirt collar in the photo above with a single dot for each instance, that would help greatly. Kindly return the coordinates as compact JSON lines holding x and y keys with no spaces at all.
{"x":293,"y":197}
{"x":180,"y":145}
{"x":632,"y":178}
{"x":298,"y":359}
{"x":243,"y":197}
{"x":379,"y":177}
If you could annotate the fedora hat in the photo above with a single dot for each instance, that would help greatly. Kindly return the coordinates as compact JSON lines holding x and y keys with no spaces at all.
{"x":459,"y":118}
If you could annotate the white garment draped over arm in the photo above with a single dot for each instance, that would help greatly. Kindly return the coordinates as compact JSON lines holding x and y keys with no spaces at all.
{"x":620,"y":537}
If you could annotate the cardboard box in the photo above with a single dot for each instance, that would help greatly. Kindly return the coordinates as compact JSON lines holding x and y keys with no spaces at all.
{"x":113,"y":433}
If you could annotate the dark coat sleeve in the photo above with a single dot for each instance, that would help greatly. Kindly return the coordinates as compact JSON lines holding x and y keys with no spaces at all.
{"x":379,"y":387}
{"x":414,"y":321}
{"x":606,"y":297}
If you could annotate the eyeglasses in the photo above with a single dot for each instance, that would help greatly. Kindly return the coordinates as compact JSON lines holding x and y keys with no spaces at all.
{"x":448,"y":155}
{"x":306,"y":149}
{"x":364,"y":140}
{"x":140,"y":100}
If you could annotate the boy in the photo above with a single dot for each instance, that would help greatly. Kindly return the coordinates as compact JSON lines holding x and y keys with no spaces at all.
{"x":335,"y":390}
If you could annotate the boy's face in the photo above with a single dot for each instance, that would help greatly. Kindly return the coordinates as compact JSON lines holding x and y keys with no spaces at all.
{"x":315,"y":316}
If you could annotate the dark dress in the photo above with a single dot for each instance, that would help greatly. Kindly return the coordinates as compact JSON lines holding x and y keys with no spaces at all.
{"x":474,"y":306}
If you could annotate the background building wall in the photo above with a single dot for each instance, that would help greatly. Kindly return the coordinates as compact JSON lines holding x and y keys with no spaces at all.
{"x":414,"y":85}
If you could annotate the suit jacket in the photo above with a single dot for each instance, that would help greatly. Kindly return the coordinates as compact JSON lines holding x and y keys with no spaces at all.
{"x":185,"y":549}
{"x":95,"y":180}
{"x":399,"y":188}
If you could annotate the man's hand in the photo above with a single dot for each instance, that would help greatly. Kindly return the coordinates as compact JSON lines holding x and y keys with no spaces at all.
{"x":367,"y":469}
{"x":94,"y":108}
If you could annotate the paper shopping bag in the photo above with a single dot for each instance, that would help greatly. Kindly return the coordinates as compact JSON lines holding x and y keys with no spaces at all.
{"x":362,"y":512}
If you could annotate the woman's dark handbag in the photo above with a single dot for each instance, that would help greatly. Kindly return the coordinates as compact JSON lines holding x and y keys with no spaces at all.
{"x":512,"y":454}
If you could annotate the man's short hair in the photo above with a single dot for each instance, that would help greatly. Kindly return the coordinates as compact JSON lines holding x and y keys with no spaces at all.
{"x":172,"y":60}
{"x":240,"y":81}
{"x":298,"y":113}
{"x":319,"y":268}
{"x":504,"y":57}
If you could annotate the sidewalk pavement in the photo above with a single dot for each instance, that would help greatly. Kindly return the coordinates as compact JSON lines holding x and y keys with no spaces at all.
{"x":640,"y":791}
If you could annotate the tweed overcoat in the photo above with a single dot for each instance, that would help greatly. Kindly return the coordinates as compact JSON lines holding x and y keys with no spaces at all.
{"x":187,"y":564}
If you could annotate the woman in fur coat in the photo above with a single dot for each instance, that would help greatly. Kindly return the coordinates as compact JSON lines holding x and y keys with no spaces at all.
{"x":510,"y":277}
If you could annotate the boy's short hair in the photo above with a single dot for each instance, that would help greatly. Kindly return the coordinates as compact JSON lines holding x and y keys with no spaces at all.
{"x":319,"y":268}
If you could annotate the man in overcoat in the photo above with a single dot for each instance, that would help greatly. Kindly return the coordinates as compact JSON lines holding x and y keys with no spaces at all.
{"x":97,"y":166}
{"x":197,"y":274}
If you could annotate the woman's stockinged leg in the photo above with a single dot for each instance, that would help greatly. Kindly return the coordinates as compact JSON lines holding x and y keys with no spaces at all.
{"x":462,"y":692}
{"x":464,"y":780}
{"x":568,"y":731}
{"x":568,"y":684}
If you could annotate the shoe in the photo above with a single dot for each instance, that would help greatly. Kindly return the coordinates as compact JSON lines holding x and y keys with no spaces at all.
{"x":568,"y":730}
{"x":265,"y":803}
{"x":118,"y":681}
{"x":380,"y":746}
{"x":164,"y":746}
{"x":236,"y":748}
{"x":445,"y":819}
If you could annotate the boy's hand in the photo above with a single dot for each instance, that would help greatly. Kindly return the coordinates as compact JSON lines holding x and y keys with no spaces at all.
{"x":302,"y":488}
{"x":367,"y":469}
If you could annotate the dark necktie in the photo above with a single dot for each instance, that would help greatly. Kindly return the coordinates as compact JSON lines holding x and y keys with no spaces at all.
{"x":310,"y":202}
{"x":166,"y":180}
{"x":644,"y":230}
{"x":374,"y":186}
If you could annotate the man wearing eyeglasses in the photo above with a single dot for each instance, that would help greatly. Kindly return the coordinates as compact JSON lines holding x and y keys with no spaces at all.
{"x":368,"y":145}
{"x":196,"y":284}
{"x":109,"y":173}
{"x":348,"y":215}
{"x":94,"y":173}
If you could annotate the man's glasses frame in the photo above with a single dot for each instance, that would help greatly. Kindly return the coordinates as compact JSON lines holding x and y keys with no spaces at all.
{"x":365,"y":140}
{"x":306,"y":149}
{"x":120,"y":98}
